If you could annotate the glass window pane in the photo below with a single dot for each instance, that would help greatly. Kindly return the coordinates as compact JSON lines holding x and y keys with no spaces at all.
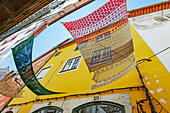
{"x":71,"y":64}
{"x":81,"y":110}
{"x":57,"y":53}
{"x":76,"y":48}
{"x":58,"y":111}
{"x":91,"y":109}
{"x":43,"y":72}
{"x":51,"y":110}
{"x":102,"y":108}
{"x":43,"y":111}
{"x":114,"y":109}
{"x":9,"y":112}
{"x":68,"y":64}
{"x":74,"y":66}
{"x":48,"y":109}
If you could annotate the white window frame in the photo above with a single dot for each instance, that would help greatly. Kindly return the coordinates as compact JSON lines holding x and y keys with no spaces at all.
{"x":69,"y":70}
{"x":102,"y":57}
{"x":42,"y":70}
{"x":39,"y":63}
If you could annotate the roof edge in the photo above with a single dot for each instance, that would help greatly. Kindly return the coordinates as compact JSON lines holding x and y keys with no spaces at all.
{"x":149,"y":9}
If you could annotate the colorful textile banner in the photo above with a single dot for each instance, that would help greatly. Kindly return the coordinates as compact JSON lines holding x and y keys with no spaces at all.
{"x":22,"y":54}
{"x":3,"y":101}
{"x":11,"y":41}
{"x":3,"y":72}
{"x":104,"y":40}
{"x":8,"y":87}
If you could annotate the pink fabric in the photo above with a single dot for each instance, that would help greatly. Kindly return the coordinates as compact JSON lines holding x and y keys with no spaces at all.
{"x":109,"y":13}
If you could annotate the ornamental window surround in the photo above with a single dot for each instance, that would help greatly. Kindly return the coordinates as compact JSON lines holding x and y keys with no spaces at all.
{"x":99,"y":107}
{"x":71,"y":64}
{"x":49,"y":109}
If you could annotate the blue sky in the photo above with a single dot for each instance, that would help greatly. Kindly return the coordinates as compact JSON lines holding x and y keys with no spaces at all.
{"x":134,"y":4}
{"x":56,"y":33}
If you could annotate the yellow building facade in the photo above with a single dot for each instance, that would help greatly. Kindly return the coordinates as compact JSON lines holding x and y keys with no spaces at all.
{"x":121,"y":96}
{"x":144,"y":89}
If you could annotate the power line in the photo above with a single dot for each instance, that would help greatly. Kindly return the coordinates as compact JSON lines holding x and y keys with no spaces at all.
{"x":159,"y":104}
{"x":149,"y":58}
{"x":159,"y":52}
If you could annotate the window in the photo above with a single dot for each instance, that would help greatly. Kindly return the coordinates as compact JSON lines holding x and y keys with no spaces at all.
{"x":168,"y":16}
{"x":9,"y":112}
{"x":101,"y":55}
{"x":103,"y":36}
{"x":57,"y":53}
{"x":43,"y":72}
{"x":99,"y":107}
{"x":49,"y":109}
{"x":164,"y":18}
{"x":161,"y":19}
{"x":71,"y":64}
{"x":76,"y":48}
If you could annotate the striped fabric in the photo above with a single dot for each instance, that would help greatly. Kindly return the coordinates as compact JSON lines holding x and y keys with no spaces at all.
{"x":104,"y":40}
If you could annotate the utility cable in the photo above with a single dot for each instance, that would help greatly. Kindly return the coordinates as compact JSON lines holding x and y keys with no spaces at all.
{"x":149,"y":58}
{"x":159,"y":52}
{"x":159,"y":104}
{"x":112,"y":90}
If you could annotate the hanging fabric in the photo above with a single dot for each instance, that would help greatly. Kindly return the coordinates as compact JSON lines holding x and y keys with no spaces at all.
{"x":8,"y":86}
{"x":104,"y":40}
{"x":14,"y":39}
{"x":22,"y":54}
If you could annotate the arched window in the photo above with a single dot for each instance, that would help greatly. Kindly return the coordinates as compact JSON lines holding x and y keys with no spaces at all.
{"x":49,"y":109}
{"x":9,"y":112}
{"x":99,"y":107}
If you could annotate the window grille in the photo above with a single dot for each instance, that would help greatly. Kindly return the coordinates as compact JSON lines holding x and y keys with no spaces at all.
{"x":49,"y":109}
{"x":71,"y":64}
{"x":100,"y":107}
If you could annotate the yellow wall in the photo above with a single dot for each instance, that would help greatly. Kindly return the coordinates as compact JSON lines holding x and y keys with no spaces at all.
{"x":79,"y":81}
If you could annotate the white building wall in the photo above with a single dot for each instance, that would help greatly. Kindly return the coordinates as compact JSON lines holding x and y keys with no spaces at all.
{"x":155,"y":33}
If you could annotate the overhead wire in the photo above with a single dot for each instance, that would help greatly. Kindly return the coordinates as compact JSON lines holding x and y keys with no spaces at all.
{"x":149,"y":58}
{"x":99,"y":92}
{"x":159,"y":52}
{"x":159,"y":104}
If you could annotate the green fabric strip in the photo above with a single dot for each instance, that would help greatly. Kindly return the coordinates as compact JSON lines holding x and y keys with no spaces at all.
{"x":22,"y":54}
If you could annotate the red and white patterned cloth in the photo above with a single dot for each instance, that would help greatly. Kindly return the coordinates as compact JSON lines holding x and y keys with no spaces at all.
{"x":14,"y":39}
{"x":109,"y":13}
